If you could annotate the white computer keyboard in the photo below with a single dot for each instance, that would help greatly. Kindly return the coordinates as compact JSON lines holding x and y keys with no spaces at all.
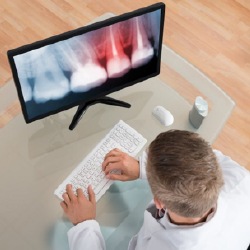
{"x":89,"y":171}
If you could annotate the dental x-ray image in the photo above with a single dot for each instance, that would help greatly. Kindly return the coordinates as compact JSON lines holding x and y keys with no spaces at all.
{"x":83,"y":67}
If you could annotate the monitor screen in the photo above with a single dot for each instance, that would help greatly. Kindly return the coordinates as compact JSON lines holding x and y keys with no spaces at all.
{"x":77,"y":66}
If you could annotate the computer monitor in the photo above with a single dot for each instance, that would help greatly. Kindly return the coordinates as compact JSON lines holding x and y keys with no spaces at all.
{"x":82,"y":66}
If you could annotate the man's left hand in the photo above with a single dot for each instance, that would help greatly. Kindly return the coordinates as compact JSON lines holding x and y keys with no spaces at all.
{"x":77,"y":207}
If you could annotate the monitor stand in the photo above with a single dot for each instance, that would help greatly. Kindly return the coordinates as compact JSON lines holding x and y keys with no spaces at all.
{"x":104,"y":100}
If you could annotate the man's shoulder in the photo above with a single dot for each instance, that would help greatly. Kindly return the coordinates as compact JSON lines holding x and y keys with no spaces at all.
{"x":236,"y":177}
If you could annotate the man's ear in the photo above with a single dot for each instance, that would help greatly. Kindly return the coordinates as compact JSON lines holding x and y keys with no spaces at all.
{"x":159,"y":205}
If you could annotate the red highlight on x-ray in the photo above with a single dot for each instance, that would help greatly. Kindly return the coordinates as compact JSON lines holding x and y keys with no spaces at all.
{"x":118,"y":62}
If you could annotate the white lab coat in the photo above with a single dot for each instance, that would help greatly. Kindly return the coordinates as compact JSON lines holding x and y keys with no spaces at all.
{"x":228,"y":228}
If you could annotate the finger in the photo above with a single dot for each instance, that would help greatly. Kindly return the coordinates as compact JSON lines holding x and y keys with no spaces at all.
{"x":70,"y":192}
{"x":114,"y":166}
{"x":117,"y":150}
{"x":117,"y":166}
{"x":110,"y":159}
{"x":112,"y":152}
{"x":91,"y":194}
{"x":63,"y":205}
{"x":66,"y":198}
{"x":80,"y":194}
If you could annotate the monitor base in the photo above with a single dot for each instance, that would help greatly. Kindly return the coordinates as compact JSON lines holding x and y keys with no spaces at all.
{"x":104,"y":100}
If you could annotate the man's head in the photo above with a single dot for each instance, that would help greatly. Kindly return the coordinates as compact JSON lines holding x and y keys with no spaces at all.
{"x":183,"y":173}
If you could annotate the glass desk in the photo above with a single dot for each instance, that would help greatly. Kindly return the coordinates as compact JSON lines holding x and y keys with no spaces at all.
{"x":35,"y":158}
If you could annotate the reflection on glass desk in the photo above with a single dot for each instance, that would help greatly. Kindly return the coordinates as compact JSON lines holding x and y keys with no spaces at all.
{"x":36,"y":158}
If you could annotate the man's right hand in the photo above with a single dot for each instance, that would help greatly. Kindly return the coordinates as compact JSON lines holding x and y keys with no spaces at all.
{"x":116,"y":160}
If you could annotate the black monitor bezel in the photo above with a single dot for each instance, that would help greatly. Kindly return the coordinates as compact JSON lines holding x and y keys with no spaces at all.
{"x":79,"y":31}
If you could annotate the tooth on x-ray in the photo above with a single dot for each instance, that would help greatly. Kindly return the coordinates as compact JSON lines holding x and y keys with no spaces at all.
{"x":50,"y":86}
{"x":78,"y":57}
{"x":50,"y":83}
{"x":142,"y":50}
{"x":24,"y":73}
{"x":118,"y":63}
{"x":26,"y":89}
{"x":87,"y":76}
